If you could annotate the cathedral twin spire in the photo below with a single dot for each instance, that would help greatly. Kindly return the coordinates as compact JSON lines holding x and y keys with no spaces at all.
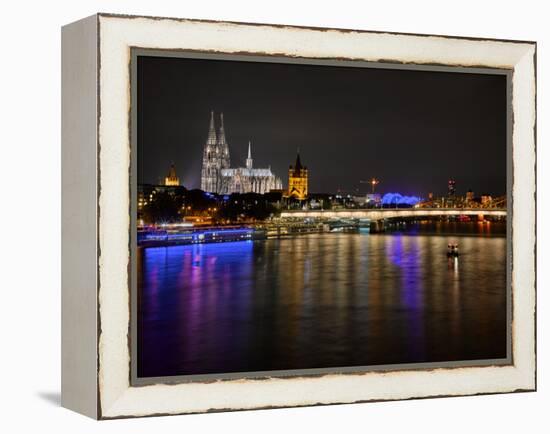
{"x":212,"y":138}
{"x":218,"y":176}
{"x":223,"y":146}
{"x":215,"y":156}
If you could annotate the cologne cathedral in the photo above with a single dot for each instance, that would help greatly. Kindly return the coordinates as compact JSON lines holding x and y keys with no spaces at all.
{"x":218,"y":176}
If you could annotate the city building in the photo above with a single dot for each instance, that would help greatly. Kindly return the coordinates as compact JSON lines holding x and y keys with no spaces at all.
{"x":486,"y":200}
{"x":145,"y":195}
{"x":368,"y":200}
{"x":172,"y":179}
{"x":217,"y":176}
{"x":248,"y":179}
{"x":451,"y":187}
{"x":297,"y":180}
{"x":215,"y":157}
{"x":374,"y":199}
{"x":146,"y":192}
{"x":360,"y":201}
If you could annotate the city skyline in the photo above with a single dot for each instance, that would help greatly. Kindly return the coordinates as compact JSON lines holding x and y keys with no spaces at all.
{"x":342,"y":144}
{"x":470,"y":193}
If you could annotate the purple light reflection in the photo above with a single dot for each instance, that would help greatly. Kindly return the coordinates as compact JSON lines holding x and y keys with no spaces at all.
{"x":197,"y":317}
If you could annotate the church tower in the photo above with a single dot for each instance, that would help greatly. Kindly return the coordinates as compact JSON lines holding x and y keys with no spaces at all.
{"x":297,"y":180}
{"x":211,"y":160}
{"x":223,"y":147}
{"x":172,"y":179}
{"x":249,"y":158}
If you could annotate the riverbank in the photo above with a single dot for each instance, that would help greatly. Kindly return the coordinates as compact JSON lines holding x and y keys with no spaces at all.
{"x":163,"y":237}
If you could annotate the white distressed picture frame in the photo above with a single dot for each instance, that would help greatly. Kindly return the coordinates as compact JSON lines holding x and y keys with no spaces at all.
{"x":96,"y":218}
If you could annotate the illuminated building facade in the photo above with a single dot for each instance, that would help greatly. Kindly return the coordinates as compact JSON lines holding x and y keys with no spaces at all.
{"x":172,"y":179}
{"x":297,"y":180}
{"x":248,"y":179}
{"x":215,"y":157}
{"x":145,"y":195}
{"x":146,"y":192}
{"x":218,"y":177}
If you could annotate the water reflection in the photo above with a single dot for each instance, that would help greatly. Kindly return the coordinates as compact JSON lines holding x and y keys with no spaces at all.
{"x":319,"y":300}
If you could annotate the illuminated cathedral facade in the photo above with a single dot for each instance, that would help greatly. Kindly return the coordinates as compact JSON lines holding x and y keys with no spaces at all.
{"x":217,"y":175}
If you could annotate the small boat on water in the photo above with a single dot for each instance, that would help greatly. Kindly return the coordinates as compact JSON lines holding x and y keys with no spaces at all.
{"x":452,"y":250}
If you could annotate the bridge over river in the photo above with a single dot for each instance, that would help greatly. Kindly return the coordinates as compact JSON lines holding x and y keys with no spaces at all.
{"x":376,"y":214}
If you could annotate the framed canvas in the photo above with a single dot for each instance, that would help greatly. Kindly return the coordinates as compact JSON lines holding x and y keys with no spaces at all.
{"x":261,"y":216}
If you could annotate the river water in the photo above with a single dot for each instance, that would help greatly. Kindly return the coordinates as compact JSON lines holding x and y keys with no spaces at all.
{"x":323,"y":300}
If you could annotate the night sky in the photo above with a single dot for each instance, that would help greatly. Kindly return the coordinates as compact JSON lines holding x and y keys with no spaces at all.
{"x":410,"y":129}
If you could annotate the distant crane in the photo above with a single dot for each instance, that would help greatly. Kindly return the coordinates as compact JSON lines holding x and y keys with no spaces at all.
{"x":373,"y":183}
